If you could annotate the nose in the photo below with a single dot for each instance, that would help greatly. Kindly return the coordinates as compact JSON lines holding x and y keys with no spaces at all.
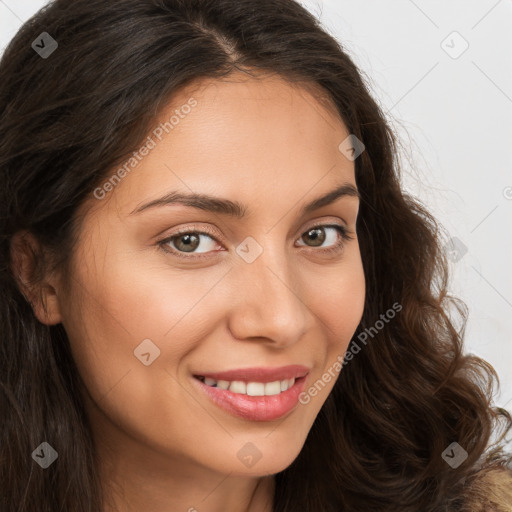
{"x":265,"y":305}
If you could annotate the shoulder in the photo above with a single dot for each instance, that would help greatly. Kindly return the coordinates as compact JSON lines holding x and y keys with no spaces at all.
{"x":487,"y":490}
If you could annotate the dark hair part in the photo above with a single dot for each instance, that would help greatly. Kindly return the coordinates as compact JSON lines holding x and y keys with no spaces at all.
{"x":67,"y":120}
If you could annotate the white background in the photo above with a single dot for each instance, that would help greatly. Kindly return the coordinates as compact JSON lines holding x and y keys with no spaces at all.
{"x":453,"y":114}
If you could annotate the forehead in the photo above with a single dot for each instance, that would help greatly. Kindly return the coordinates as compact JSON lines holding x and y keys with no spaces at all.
{"x":239,"y":97}
{"x":243,"y":136}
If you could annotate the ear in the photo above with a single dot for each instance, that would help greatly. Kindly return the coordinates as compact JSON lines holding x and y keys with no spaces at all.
{"x":40,"y":289}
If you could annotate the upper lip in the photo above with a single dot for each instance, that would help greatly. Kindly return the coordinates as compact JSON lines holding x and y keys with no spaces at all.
{"x":259,"y":374}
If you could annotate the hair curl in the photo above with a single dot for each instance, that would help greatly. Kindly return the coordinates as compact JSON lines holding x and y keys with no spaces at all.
{"x":67,"y":120}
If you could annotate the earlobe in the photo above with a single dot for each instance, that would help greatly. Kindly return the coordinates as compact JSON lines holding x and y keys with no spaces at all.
{"x":38,"y":288}
{"x":47,"y":308}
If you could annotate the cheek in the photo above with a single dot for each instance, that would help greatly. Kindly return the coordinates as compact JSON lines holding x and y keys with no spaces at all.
{"x":116,"y":310}
{"x":338,"y":300}
{"x":115,"y":315}
{"x":178,"y":307}
{"x":126,"y":301}
{"x":339,"y":310}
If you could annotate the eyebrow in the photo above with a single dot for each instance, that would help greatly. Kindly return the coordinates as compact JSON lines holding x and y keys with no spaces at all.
{"x":236,"y":209}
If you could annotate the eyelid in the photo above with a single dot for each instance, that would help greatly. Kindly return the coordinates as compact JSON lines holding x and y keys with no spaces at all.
{"x":343,"y":230}
{"x":194,"y":229}
{"x":215,"y":233}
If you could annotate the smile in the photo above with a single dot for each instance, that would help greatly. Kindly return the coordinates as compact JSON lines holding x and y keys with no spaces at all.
{"x":250,"y":388}
{"x":255,"y":394}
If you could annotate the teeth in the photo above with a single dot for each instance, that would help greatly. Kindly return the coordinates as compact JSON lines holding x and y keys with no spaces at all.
{"x":273,"y":388}
{"x":251,"y":388}
{"x":237,"y":386}
{"x":223,"y":384}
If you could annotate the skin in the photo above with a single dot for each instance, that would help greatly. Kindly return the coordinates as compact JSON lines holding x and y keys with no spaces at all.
{"x":162,"y":445}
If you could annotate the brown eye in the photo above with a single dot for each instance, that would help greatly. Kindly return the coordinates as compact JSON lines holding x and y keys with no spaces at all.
{"x":187,"y":242}
{"x":184,"y":244}
{"x":316,"y":235}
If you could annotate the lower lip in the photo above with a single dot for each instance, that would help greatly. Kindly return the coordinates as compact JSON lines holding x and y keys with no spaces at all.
{"x":256,"y":408}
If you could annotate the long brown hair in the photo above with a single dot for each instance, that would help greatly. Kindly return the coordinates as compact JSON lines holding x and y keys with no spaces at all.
{"x":69,"y":118}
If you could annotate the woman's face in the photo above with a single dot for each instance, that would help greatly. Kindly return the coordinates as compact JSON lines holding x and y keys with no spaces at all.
{"x":146,"y":314}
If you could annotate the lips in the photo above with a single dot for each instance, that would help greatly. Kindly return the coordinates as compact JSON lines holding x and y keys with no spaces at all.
{"x":266,"y":407}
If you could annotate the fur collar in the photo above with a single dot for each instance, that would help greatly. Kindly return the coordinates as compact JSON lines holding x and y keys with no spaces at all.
{"x":488,"y":490}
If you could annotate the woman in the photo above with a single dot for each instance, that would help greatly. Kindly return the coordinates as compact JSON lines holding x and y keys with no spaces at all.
{"x":216,"y":295}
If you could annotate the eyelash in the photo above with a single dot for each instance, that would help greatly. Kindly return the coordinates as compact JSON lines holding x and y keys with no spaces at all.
{"x":345,"y":235}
